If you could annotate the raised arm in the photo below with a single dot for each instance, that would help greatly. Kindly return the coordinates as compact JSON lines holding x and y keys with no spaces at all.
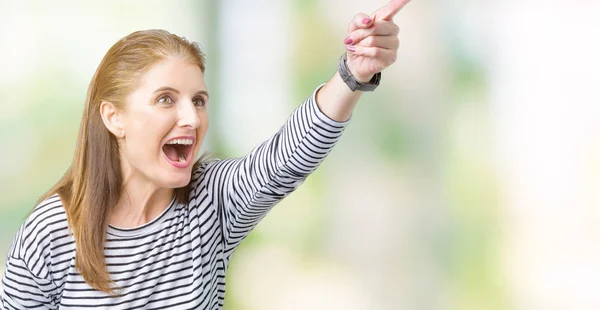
{"x":244,"y":189}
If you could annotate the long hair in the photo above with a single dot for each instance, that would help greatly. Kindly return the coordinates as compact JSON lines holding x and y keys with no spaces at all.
{"x":93,"y":183}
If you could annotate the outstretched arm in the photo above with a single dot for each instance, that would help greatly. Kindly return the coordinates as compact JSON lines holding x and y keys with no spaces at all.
{"x":372,"y":45}
{"x":245,"y":189}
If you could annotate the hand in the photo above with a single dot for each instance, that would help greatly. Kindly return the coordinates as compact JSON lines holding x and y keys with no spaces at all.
{"x":372,"y":41}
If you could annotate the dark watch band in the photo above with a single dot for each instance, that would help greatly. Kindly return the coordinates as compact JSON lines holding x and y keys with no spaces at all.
{"x":352,"y":82}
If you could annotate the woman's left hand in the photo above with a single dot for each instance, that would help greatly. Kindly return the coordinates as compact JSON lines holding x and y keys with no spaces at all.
{"x":372,"y":41}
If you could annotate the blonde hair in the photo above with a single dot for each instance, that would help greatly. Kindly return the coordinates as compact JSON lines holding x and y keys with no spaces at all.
{"x":93,"y":184}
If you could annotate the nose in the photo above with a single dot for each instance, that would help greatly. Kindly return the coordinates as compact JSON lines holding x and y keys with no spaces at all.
{"x":188,"y":115}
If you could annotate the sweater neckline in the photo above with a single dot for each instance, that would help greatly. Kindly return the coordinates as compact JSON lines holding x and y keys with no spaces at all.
{"x":145,"y":228}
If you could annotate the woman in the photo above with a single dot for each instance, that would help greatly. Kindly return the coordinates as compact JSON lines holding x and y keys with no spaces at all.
{"x":134,"y":224}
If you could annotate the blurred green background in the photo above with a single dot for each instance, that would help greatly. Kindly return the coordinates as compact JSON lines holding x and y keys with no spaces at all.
{"x":467,"y":181}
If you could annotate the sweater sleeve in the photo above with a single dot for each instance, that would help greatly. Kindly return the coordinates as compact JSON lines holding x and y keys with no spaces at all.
{"x":26,"y":282}
{"x":245,"y":189}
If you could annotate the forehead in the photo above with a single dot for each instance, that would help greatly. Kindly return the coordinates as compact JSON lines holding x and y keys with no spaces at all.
{"x":184,"y":76}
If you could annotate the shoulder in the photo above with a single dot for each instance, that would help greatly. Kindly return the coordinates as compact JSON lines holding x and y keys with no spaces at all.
{"x":203,"y":171}
{"x":209,"y":177}
{"x":199,"y":171}
{"x":48,"y":215}
{"x":47,"y":211}
{"x":46,"y":223}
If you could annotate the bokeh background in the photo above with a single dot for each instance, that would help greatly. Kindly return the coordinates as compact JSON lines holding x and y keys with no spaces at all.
{"x":469,"y":180}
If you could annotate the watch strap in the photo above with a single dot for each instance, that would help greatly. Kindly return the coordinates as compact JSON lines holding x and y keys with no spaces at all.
{"x":352,"y":83}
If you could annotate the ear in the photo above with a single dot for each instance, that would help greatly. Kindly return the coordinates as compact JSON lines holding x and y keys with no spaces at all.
{"x":112,"y":118}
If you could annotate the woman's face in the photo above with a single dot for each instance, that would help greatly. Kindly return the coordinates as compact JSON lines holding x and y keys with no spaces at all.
{"x":164,"y":122}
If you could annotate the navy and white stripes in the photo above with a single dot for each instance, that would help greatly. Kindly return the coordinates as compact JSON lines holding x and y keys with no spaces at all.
{"x":179,"y":260}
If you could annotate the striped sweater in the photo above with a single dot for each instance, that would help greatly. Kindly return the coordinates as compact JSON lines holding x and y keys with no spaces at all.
{"x":179,"y":259}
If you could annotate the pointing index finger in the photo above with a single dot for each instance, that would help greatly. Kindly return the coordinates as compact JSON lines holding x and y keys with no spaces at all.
{"x":390,"y":10}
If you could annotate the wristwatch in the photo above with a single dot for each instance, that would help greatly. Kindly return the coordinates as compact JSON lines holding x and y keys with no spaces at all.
{"x":352,"y":82}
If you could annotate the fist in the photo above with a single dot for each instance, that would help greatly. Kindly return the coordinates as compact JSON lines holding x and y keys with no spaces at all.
{"x":372,"y":41}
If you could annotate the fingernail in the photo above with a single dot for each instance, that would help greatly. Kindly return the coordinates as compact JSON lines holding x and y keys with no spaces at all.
{"x":348,"y":40}
{"x":366,"y":21}
{"x":351,"y":48}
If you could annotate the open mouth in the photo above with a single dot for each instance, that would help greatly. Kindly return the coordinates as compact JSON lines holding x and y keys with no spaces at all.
{"x":178,"y":151}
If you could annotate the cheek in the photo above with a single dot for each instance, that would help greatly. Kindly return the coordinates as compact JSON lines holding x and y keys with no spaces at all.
{"x":201,"y":132}
{"x":143,"y":146}
{"x":143,"y":136}
{"x":204,"y":121}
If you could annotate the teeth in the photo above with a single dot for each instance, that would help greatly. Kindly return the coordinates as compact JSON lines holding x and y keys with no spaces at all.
{"x":181,"y":141}
{"x":181,"y":158}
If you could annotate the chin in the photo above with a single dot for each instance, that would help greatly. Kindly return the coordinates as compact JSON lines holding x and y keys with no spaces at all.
{"x":181,"y":182}
{"x":176,"y":180}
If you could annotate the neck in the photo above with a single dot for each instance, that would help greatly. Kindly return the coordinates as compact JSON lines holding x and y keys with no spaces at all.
{"x":140,"y":203}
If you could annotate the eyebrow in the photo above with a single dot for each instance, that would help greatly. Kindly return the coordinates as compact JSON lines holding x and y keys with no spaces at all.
{"x":200,"y":92}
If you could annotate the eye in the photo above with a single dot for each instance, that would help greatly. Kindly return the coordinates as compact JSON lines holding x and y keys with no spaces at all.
{"x":199,"y":102}
{"x":164,"y":100}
